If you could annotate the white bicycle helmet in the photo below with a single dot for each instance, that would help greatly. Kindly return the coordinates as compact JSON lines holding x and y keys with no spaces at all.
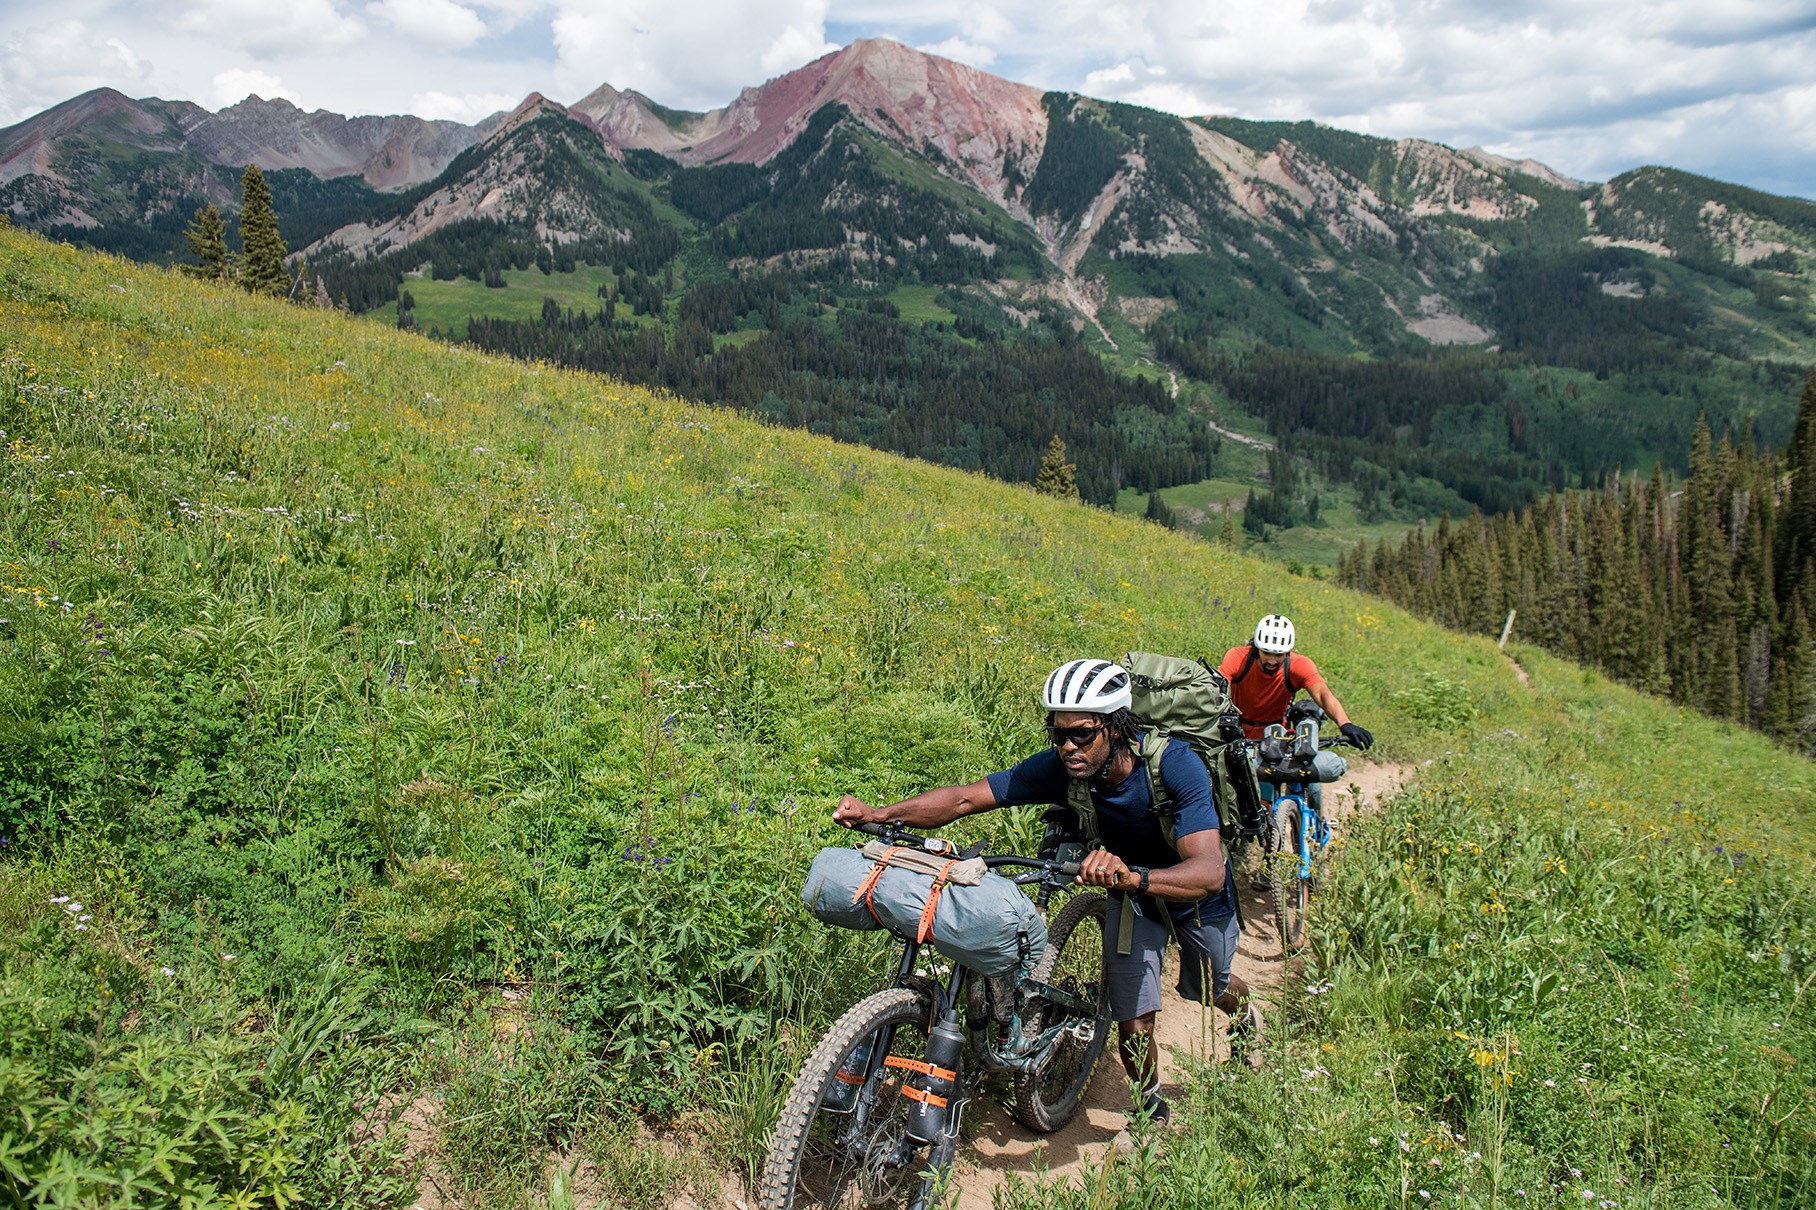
{"x":1087,"y":687}
{"x":1274,"y":634}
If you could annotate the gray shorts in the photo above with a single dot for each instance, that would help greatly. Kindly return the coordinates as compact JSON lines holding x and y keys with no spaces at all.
{"x":1133,"y":979}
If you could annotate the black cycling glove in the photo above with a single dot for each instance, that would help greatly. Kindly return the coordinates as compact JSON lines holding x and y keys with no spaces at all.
{"x":1358,"y":736}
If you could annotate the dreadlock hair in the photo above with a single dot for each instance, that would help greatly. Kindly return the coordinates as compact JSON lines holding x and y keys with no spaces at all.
{"x":1124,"y":727}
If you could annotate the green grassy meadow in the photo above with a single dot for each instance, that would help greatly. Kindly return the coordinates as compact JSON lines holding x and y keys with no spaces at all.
{"x":1339,"y":527}
{"x":410,"y":757}
{"x":445,"y":306}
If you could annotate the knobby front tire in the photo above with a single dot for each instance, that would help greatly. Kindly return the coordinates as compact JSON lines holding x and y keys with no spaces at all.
{"x":1290,"y":890}
{"x":820,"y":1158}
{"x":1047,"y":1099}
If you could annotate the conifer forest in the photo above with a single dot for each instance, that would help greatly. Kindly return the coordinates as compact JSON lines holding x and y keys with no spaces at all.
{"x":1700,"y":590}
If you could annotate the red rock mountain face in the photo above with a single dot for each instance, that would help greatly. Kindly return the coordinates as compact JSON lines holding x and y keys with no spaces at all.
{"x":977,"y":121}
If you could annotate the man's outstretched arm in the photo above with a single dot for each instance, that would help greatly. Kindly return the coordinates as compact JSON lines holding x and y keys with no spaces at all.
{"x":930,"y":809}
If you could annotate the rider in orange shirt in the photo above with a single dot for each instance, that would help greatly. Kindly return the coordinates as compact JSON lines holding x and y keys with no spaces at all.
{"x":1264,"y":675}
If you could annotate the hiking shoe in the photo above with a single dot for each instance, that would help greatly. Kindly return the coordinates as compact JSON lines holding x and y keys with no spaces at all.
{"x":1154,"y":1107}
{"x":1262,"y":882}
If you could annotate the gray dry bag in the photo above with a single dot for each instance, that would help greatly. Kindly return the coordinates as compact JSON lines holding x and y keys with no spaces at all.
{"x":991,"y":927}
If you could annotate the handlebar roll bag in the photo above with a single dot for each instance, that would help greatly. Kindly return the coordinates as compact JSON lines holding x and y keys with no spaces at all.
{"x":991,"y":927}
{"x":1326,"y":766}
{"x":1329,"y":766}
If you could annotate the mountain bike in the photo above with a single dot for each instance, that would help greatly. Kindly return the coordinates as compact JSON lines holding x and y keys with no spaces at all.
{"x":1294,"y":832}
{"x":873,"y":1118}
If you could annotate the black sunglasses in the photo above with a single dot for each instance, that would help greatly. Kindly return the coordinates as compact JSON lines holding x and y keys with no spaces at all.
{"x":1077,"y":737}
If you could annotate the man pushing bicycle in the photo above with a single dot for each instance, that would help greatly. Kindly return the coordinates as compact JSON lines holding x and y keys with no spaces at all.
{"x":1169,"y":873}
{"x":1265,"y":674}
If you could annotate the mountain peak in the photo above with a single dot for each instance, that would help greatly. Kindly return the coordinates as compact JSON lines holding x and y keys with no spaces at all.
{"x":976,"y":121}
{"x":27,"y":147}
{"x":531,"y":108}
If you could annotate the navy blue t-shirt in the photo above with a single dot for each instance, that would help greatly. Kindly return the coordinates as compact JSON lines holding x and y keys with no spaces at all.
{"x":1126,"y":818}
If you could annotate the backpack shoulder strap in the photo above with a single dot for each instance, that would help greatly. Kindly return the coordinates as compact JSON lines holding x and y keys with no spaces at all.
{"x":1153,"y":746}
{"x":1286,"y":672}
{"x":1078,"y":797}
{"x":1253,"y":656}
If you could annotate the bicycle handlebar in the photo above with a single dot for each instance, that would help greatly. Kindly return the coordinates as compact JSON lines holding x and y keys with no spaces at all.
{"x":896,"y":834}
{"x":1291,"y":767}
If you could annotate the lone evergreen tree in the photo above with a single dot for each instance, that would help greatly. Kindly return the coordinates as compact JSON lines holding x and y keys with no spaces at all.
{"x":263,"y":272}
{"x":1057,"y":476}
{"x":207,"y":236}
{"x":1158,"y":510}
{"x":1226,"y":536}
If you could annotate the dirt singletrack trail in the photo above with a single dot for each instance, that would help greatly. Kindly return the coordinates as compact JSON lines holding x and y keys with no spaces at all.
{"x":1000,"y":1145}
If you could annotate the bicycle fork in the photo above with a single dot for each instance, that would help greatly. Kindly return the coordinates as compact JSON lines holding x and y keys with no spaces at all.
{"x":1313,"y":830}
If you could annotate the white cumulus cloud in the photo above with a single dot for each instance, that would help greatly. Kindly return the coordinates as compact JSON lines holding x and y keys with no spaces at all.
{"x":465,"y":107}
{"x":238,"y":83}
{"x":961,"y":50}
{"x":41,"y":67}
{"x":293,"y":27}
{"x":440,"y":22}
{"x":690,"y":55}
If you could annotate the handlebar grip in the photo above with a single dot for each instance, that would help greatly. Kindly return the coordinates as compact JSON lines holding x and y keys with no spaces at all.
{"x":872,"y":829}
{"x":1070,"y":868}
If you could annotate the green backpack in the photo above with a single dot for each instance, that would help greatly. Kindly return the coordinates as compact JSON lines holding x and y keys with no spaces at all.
{"x":1189,"y":700}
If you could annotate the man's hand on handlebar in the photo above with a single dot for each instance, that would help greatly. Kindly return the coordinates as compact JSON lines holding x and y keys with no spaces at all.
{"x":1105,"y":869}
{"x":1357,"y":735}
{"x":852,"y":811}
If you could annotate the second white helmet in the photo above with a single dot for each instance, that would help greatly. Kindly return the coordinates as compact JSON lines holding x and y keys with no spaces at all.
{"x":1274,"y":634}
{"x":1087,"y":687}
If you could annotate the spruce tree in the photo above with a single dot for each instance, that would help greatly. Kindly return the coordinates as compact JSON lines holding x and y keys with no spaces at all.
{"x":207,"y":236}
{"x":263,"y":271}
{"x":1158,"y":510}
{"x":1226,"y":537}
{"x":1796,"y":538}
{"x":1057,"y":476}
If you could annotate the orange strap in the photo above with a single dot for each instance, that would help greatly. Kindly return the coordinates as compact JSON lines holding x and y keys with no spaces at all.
{"x":933,"y":898}
{"x":924,"y":1097}
{"x":919,"y":1068}
{"x":867,"y":888}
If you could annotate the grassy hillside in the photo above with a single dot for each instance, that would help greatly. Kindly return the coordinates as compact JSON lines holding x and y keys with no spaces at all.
{"x":403,"y":747}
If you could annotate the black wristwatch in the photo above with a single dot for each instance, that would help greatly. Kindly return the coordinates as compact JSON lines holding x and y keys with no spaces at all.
{"x":1143,"y":871}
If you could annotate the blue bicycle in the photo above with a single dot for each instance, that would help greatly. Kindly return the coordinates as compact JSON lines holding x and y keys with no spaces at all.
{"x":1294,"y":831}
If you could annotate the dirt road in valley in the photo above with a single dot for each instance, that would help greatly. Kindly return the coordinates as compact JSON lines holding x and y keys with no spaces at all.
{"x":1002,"y":1145}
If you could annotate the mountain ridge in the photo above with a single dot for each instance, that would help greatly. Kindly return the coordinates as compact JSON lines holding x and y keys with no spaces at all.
{"x":880,"y":205}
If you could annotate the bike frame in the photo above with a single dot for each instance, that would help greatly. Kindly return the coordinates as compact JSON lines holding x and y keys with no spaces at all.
{"x":1313,"y":827}
{"x":947,"y":998}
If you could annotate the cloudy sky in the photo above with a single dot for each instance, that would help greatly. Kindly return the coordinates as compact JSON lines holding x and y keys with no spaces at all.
{"x":1592,"y":87}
